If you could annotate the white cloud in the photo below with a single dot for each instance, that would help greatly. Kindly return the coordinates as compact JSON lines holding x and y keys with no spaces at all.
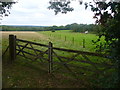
{"x":36,"y":12}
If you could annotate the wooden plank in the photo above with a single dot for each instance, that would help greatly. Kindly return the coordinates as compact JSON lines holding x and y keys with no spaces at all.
{"x":81,"y":52}
{"x":37,"y":55}
{"x":64,"y":64}
{"x":21,"y":49}
{"x":30,"y":54}
{"x":73,"y":57}
{"x":94,"y":65}
{"x":67,"y":50}
{"x":31,"y":48}
{"x":25,"y":41}
{"x":40,"y":55}
{"x":25,"y":52}
{"x":5,"y":51}
{"x":70,"y":58}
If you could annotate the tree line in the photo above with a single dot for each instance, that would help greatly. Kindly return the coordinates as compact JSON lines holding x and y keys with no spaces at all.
{"x":22,"y":28}
{"x":73,"y":27}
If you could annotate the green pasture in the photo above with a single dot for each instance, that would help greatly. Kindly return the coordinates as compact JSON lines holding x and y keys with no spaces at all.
{"x":71,"y":40}
{"x":62,"y":38}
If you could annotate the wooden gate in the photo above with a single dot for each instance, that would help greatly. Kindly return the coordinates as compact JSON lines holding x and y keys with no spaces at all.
{"x":74,"y":61}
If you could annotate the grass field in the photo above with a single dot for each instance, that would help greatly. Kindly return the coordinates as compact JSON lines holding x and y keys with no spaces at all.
{"x":71,"y":40}
{"x":27,"y":74}
{"x":63,"y":39}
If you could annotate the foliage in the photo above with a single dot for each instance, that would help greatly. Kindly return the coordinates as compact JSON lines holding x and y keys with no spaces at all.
{"x":23,"y":28}
{"x":60,"y":6}
{"x":83,"y":27}
{"x":110,"y":22}
{"x":74,"y":27}
{"x":107,"y":15}
{"x":5,"y":6}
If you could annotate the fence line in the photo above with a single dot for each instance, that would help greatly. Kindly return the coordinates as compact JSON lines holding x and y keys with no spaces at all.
{"x":14,"y":51}
{"x":83,"y":43}
{"x":72,"y":40}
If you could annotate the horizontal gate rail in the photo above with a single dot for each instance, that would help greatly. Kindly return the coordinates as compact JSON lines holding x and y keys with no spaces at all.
{"x":31,"y":48}
{"x":81,"y":52}
{"x":35,"y":55}
{"x":25,"y":41}
{"x":26,"y":52}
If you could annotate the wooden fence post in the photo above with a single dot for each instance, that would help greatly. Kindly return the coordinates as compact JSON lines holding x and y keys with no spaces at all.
{"x":12,"y":47}
{"x":50,"y":51}
{"x":83,"y":43}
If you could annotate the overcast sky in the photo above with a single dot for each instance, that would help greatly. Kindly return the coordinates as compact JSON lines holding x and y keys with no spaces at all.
{"x":35,"y":12}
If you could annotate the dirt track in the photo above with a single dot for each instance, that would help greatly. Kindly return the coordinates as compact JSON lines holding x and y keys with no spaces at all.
{"x":23,"y":34}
